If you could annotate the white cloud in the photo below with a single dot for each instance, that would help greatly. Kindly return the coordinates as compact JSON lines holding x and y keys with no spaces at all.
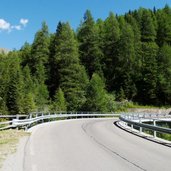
{"x":23,"y":21}
{"x":17,"y":27}
{"x":6,"y":26}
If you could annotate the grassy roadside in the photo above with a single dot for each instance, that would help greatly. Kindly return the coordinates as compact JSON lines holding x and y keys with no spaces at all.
{"x":8,"y":142}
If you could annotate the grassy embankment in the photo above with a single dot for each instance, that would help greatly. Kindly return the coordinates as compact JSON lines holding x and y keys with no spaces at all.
{"x":8,"y":142}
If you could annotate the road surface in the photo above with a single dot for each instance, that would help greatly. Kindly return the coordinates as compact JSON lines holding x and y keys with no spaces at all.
{"x":91,"y":145}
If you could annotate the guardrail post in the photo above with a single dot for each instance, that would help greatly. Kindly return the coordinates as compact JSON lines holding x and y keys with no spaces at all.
{"x":49,"y":116}
{"x":132,"y":126}
{"x":154,"y":123}
{"x":42,"y":118}
{"x":140,"y":127}
{"x":36,"y":117}
{"x":17,"y":117}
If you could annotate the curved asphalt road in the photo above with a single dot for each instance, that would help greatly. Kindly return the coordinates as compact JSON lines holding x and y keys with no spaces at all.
{"x":91,"y":145}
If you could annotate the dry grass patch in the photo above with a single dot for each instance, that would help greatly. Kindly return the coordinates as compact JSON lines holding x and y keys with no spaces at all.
{"x":8,"y":142}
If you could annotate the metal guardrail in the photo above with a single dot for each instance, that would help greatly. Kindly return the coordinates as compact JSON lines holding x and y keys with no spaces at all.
{"x":34,"y":118}
{"x":13,"y":116}
{"x":5,"y":125}
{"x":138,"y":119}
{"x":8,"y":124}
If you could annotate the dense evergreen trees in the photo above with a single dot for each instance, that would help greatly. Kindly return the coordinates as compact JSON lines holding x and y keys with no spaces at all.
{"x":110,"y":50}
{"x":124,"y":57}
{"x":71,"y":74}
{"x":89,"y":47}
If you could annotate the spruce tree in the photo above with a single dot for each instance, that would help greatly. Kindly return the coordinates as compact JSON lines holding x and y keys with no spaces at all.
{"x":164,"y":75}
{"x":125,"y":68}
{"x":89,"y":47}
{"x":41,"y":91}
{"x":38,"y":65}
{"x":148,"y":30}
{"x":25,"y":55}
{"x":96,"y":95}
{"x":111,"y":38}
{"x":164,"y":26}
{"x":14,"y":99}
{"x":29,"y":92}
{"x":137,"y":47}
{"x":72,"y":75}
{"x":4,"y":80}
{"x":148,"y":85}
{"x":59,"y":103}
{"x":40,"y":48}
{"x":53,"y":74}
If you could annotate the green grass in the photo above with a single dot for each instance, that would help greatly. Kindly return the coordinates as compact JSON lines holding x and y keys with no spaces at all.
{"x":160,"y":135}
{"x":164,"y":136}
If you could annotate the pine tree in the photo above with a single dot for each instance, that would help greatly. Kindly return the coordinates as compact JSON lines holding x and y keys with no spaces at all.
{"x":40,"y":48}
{"x":25,"y":54}
{"x":4,"y":79}
{"x":14,"y":100}
{"x":53,"y":74}
{"x":148,"y":85}
{"x":96,"y":95}
{"x":125,"y":68}
{"x":29,"y":92}
{"x":148,"y":30}
{"x":111,"y":38}
{"x":72,"y":76}
{"x":41,"y":91}
{"x":164,"y":75}
{"x":164,"y":26}
{"x":38,"y":65}
{"x":29,"y":103}
{"x":28,"y":80}
{"x":59,"y":103}
{"x":137,"y":47}
{"x":89,"y":47}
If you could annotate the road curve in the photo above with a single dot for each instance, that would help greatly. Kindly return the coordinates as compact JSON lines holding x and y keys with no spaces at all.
{"x":91,"y":145}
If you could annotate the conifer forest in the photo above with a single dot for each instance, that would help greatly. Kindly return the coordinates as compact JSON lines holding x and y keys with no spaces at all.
{"x":92,"y":68}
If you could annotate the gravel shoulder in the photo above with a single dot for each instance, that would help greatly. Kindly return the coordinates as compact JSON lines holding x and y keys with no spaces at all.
{"x":12,"y":143}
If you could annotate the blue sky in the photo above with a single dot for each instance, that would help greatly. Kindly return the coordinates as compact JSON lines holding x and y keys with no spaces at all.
{"x":21,"y":19}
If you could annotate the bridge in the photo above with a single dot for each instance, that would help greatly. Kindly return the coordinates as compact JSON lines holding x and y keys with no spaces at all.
{"x":92,"y":143}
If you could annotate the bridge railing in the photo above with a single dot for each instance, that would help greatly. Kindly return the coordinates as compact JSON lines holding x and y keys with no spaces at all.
{"x":38,"y":117}
{"x":139,"y":119}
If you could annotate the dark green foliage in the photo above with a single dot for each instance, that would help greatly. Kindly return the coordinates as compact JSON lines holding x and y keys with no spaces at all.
{"x":40,"y":89}
{"x":14,"y":96}
{"x":96,"y":95}
{"x":164,"y":75}
{"x":148,"y":84}
{"x":111,"y":39}
{"x":148,"y":30}
{"x":52,"y":74}
{"x":125,"y":67}
{"x":25,"y":54}
{"x":72,"y":75}
{"x":127,"y":57}
{"x":38,"y":65}
{"x":40,"y":48}
{"x":29,"y":92}
{"x":89,"y":46}
{"x":121,"y":95}
{"x":164,"y":26}
{"x":59,"y":103}
{"x":4,"y":79}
